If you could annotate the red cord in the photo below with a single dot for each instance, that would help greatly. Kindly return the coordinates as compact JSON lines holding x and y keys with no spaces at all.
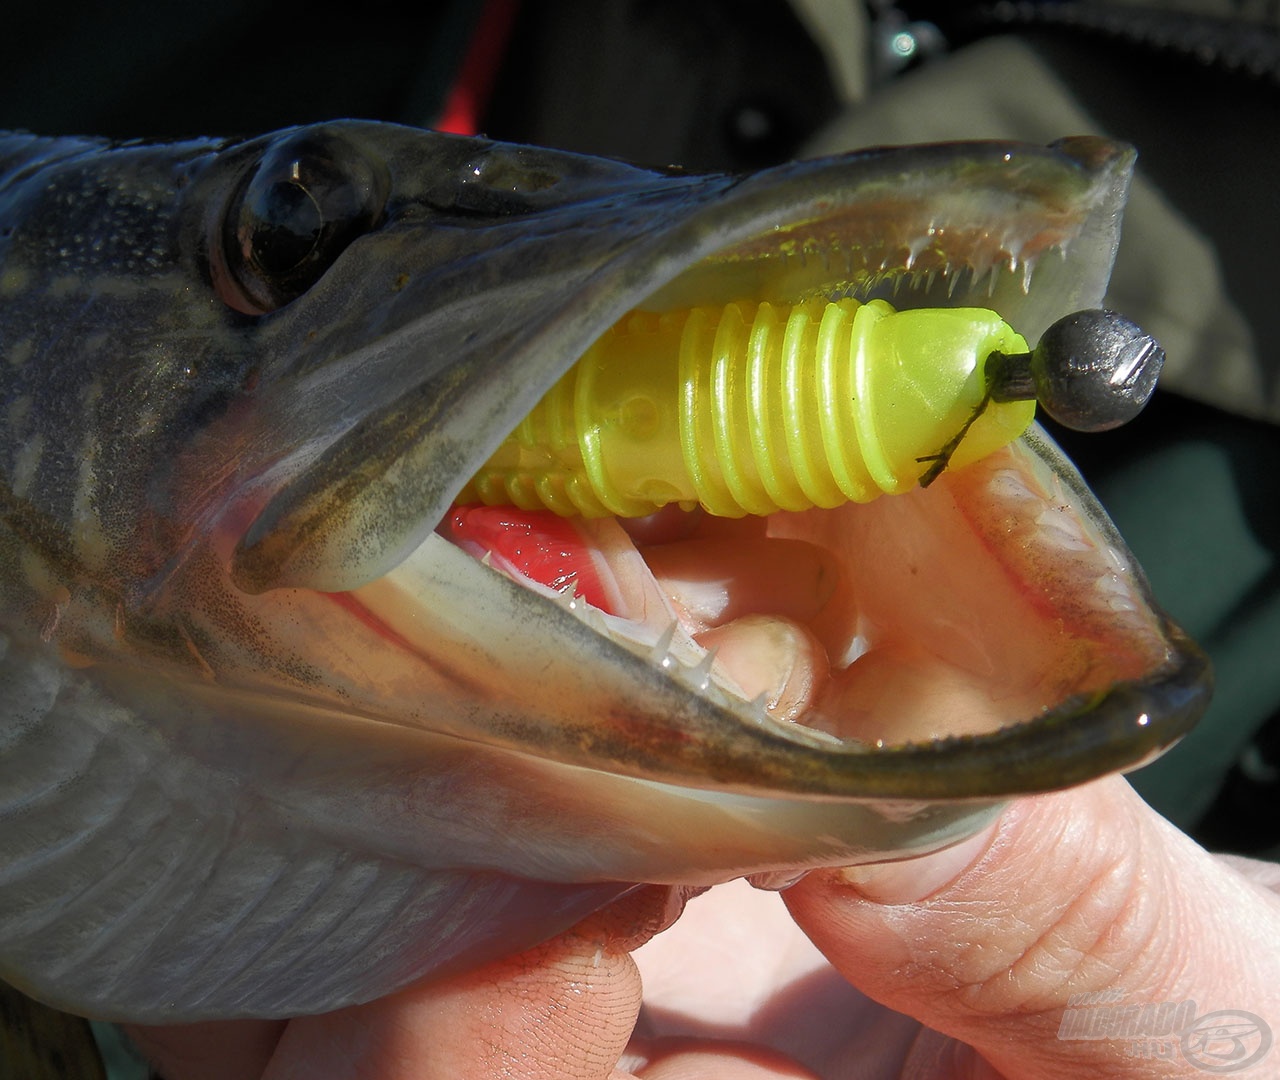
{"x":469,"y":95}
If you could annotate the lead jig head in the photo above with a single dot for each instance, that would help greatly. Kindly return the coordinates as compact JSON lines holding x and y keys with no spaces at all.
{"x":1092,"y":371}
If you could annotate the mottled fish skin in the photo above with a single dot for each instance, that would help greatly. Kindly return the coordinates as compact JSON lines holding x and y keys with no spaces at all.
{"x":212,"y":804}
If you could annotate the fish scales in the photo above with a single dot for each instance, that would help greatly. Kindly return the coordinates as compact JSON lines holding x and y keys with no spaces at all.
{"x":96,"y":291}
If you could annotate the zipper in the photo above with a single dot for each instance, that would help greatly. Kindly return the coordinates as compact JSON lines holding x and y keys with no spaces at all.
{"x":1233,"y":37}
{"x":1246,"y":46}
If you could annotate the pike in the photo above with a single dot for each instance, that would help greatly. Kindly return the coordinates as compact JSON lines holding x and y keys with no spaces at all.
{"x":272,"y":743}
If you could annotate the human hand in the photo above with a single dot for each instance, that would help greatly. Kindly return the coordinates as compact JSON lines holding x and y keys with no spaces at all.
{"x":965,"y":964}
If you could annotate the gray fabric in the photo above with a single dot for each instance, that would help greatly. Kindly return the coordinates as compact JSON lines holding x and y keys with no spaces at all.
{"x":1167,"y":275}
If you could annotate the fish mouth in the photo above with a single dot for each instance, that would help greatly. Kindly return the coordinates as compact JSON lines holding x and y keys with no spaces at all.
{"x":987,"y":636}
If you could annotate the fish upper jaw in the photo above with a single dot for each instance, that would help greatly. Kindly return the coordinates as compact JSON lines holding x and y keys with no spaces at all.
{"x":455,"y":330}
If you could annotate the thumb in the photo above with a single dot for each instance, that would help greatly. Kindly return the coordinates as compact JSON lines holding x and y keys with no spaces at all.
{"x":1078,"y":937}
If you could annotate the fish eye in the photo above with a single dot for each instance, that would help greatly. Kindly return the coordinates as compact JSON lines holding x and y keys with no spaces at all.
{"x":292,"y":216}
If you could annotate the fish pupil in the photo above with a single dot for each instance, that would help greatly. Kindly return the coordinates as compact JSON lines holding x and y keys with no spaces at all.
{"x":288,"y":227}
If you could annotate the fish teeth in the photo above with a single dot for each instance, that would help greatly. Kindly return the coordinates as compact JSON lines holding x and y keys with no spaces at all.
{"x":1061,"y":530}
{"x":1009,"y":484}
{"x":572,"y":601}
{"x":660,"y":654}
{"x":1028,"y":268}
{"x":592,"y":618}
{"x":993,"y":277}
{"x":1115,"y":593}
{"x":685,"y":662}
{"x":699,"y":676}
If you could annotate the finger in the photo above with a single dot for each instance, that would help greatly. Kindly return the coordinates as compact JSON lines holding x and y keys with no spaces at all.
{"x":564,"y":1009}
{"x":1266,"y":874}
{"x":221,"y":1050}
{"x":704,"y":1059}
{"x":1075,"y":893}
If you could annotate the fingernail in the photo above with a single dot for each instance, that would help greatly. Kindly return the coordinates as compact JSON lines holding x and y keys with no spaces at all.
{"x":773,"y":658}
{"x":912,"y":880}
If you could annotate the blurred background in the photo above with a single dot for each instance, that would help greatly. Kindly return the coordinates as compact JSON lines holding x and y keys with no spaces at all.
{"x":1194,"y":484}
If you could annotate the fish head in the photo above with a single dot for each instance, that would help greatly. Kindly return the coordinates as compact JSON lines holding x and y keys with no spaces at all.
{"x":337,"y":717}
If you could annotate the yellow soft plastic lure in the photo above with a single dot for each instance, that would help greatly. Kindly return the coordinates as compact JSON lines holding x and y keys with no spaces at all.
{"x":751,"y":409}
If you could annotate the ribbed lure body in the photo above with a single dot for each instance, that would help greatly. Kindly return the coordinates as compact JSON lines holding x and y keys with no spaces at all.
{"x":751,"y":409}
